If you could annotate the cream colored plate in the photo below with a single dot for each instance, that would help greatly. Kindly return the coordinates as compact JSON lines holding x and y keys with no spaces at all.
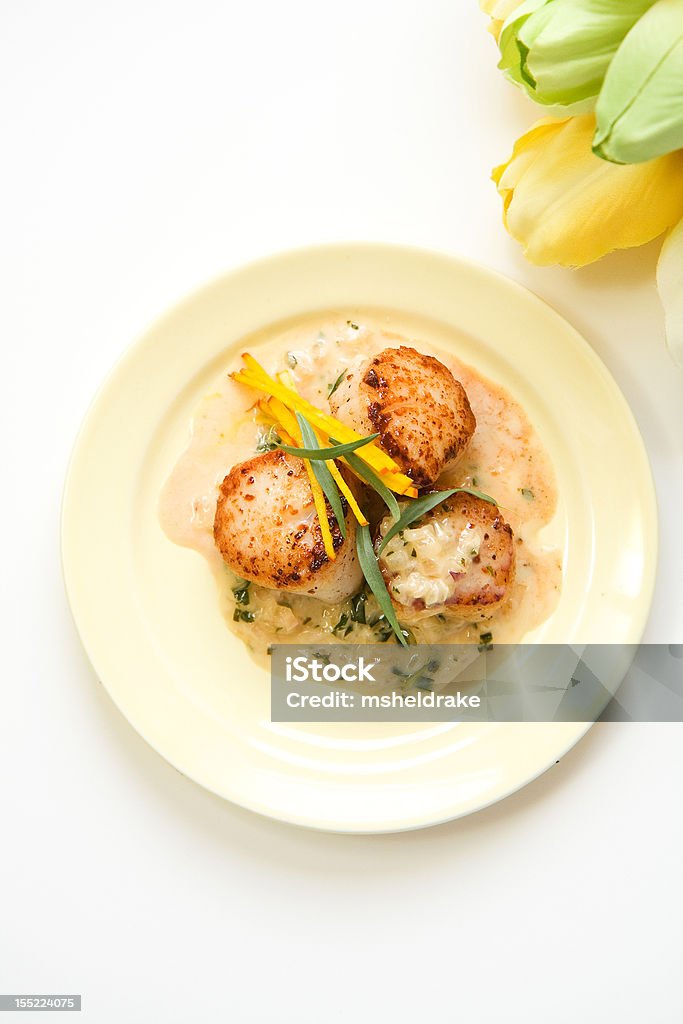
{"x":147,"y":610}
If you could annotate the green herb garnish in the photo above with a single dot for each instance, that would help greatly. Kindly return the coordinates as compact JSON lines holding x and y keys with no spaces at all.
{"x":240,"y":615}
{"x":485,"y":641}
{"x":371,"y":478}
{"x":268,"y":441}
{"x":343,"y":620}
{"x":418,"y":507}
{"x":331,"y":388}
{"x":476,"y":494}
{"x":316,"y":454}
{"x":352,"y":325}
{"x":418,"y":679}
{"x":358,"y":606}
{"x":424,"y":683}
{"x":241,"y":592}
{"x":322,"y":474}
{"x":372,"y":573}
{"x":383,"y":630}
{"x":526,"y":493}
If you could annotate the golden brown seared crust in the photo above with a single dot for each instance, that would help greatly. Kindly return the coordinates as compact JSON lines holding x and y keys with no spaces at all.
{"x":414,"y":402}
{"x":486,"y":584}
{"x":267,"y":530}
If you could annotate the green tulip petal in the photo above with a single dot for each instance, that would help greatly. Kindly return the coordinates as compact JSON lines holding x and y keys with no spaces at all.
{"x":640,"y":108}
{"x":566,"y":47}
{"x":559,"y":50}
{"x":509,"y":51}
{"x":670,"y":285}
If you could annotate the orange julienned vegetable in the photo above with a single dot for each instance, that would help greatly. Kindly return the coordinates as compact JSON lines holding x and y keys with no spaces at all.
{"x":292,"y":435}
{"x":281,"y":413}
{"x":256,"y":377}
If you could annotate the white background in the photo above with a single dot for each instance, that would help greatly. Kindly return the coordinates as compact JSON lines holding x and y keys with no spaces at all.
{"x":149,"y":146}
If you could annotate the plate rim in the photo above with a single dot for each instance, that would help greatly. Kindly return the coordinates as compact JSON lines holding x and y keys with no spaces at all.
{"x":189,"y":299}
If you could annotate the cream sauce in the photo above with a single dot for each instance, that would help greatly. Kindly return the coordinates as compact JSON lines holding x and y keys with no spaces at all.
{"x":505,"y":459}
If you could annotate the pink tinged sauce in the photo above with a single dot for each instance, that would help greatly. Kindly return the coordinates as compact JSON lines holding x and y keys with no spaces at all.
{"x":505,"y":459}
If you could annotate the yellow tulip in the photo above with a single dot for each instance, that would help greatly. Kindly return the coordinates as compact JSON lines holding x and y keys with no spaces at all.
{"x":498,"y":11}
{"x":670,"y":285}
{"x":566,"y":205}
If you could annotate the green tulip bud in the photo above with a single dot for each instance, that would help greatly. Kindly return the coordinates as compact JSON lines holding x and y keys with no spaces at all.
{"x":560,"y":50}
{"x":510,"y":57}
{"x":640,"y":108}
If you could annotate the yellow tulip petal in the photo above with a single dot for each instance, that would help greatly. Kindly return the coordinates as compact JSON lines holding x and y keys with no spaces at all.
{"x":498,"y":11}
{"x":567,"y":206}
{"x":670,"y":285}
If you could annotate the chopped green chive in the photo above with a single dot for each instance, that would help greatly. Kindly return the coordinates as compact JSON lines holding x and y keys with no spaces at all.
{"x":419,"y":507}
{"x":323,"y":475}
{"x":485,"y":641}
{"x":371,"y":478}
{"x":331,"y":388}
{"x":358,"y":606}
{"x":267,"y":441}
{"x":343,"y":620}
{"x":241,"y":592}
{"x":372,"y":573}
{"x":316,"y":454}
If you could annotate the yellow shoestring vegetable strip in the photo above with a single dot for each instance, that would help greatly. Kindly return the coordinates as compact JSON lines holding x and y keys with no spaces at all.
{"x":395,"y":481}
{"x":317,"y":418}
{"x":292,"y":435}
{"x":282,"y":414}
{"x":346,"y":491}
{"x":273,"y":421}
{"x":256,"y":377}
{"x":287,"y":380}
{"x":373,"y":455}
{"x":321,"y":509}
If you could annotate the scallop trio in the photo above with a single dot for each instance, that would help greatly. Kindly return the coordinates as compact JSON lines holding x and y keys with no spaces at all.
{"x":458,"y":560}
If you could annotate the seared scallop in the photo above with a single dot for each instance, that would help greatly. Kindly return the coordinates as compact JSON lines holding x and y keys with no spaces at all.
{"x":415,"y":404}
{"x":267,"y":530}
{"x":457,"y":560}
